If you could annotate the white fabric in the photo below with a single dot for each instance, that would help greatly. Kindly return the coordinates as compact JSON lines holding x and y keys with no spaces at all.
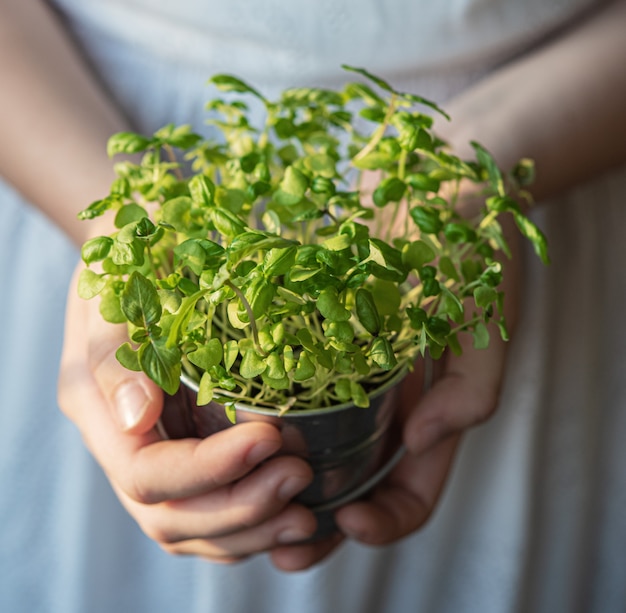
{"x":532,"y":520}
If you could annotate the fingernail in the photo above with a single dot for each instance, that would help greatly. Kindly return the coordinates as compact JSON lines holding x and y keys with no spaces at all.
{"x":261,"y":451}
{"x":131,"y":402}
{"x":354,"y":534}
{"x":293,"y":535}
{"x":292,"y":486}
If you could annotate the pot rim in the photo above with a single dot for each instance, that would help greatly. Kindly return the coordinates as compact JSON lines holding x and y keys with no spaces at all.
{"x":388,"y":384}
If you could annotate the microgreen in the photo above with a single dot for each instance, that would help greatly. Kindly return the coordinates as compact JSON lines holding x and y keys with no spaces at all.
{"x":265,"y":271}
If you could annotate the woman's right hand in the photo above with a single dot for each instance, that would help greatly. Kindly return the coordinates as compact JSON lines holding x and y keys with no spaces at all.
{"x":221,"y":498}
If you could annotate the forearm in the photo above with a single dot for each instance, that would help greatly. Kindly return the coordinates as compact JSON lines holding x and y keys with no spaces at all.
{"x":564,"y":106}
{"x":54,"y":118}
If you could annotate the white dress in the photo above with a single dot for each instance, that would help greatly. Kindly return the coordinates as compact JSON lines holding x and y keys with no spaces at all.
{"x":533,"y":519}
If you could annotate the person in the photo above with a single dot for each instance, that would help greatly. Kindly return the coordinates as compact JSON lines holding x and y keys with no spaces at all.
{"x":525,"y":511}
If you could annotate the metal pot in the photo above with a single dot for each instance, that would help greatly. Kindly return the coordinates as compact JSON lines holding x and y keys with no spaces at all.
{"x":349,"y":448}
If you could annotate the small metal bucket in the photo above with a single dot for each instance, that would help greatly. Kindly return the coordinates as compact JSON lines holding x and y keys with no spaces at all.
{"x":349,"y":448}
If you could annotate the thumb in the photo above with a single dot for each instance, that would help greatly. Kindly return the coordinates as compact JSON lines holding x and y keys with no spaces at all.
{"x":136,"y":401}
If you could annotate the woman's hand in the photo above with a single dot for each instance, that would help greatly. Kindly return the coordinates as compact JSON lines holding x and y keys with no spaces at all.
{"x":220,"y":498}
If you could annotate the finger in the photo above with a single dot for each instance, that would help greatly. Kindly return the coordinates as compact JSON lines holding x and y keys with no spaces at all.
{"x":404,"y":502}
{"x":464,"y":395}
{"x":303,"y":556}
{"x":226,"y":510}
{"x":293,"y":524}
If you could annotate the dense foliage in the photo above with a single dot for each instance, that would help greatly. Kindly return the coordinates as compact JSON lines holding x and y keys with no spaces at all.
{"x":257,"y":263}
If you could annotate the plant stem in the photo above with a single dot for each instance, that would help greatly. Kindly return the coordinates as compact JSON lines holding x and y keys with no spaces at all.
{"x":172,"y":157}
{"x":377,"y":136}
{"x":248,"y":308}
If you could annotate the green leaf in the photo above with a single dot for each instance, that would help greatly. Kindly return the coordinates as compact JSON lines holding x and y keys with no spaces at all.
{"x":340,"y":330}
{"x":229,"y":83}
{"x":140,"y":301}
{"x":390,"y":189}
{"x":207,"y":356}
{"x":330,"y":306}
{"x":259,"y":294}
{"x":321,"y":164}
{"x":276,"y":383}
{"x":360,"y":363}
{"x":427,"y":219}
{"x":170,"y":300}
{"x":178,"y":136}
{"x":231,"y":199}
{"x":484,"y":296}
{"x":493,"y":172}
{"x":387,"y":297}
{"x":109,"y":306}
{"x":306,"y":339}
{"x":99,"y":207}
{"x":416,"y":254}
{"x":438,"y":328}
{"x":190,"y":253}
{"x":305,"y":368}
{"x":534,"y":235}
{"x":275,"y":366}
{"x":367,"y":312}
{"x":386,"y":261}
{"x":375,"y":114}
{"x":359,"y":396}
{"x":501,"y":204}
{"x":382,"y":353}
{"x":96,"y":249}
{"x":231,"y":412}
{"x":175,"y":212}
{"x":127,"y":142}
{"x":161,"y":364}
{"x":228,"y":224}
{"x":451,"y":305}
{"x":481,"y":336}
{"x":338,"y":242}
{"x":368,"y":75}
{"x":202,"y":190}
{"x":127,"y":253}
{"x":252,"y":364}
{"x":128,"y":214}
{"x":342,"y":389}
{"x":298,"y":273}
{"x":524,"y":172}
{"x":423,"y":182}
{"x":205,"y":390}
{"x":292,"y":187}
{"x":128,"y":357}
{"x":231,"y":351}
{"x":374,"y":161}
{"x":370,"y":97}
{"x":457,"y":232}
{"x":90,"y":284}
{"x":284,"y":128}
{"x":447,"y":267}
{"x":279,"y":261}
{"x":417,"y":316}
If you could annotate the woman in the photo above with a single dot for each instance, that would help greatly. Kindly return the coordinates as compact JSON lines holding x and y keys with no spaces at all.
{"x":530,"y":516}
